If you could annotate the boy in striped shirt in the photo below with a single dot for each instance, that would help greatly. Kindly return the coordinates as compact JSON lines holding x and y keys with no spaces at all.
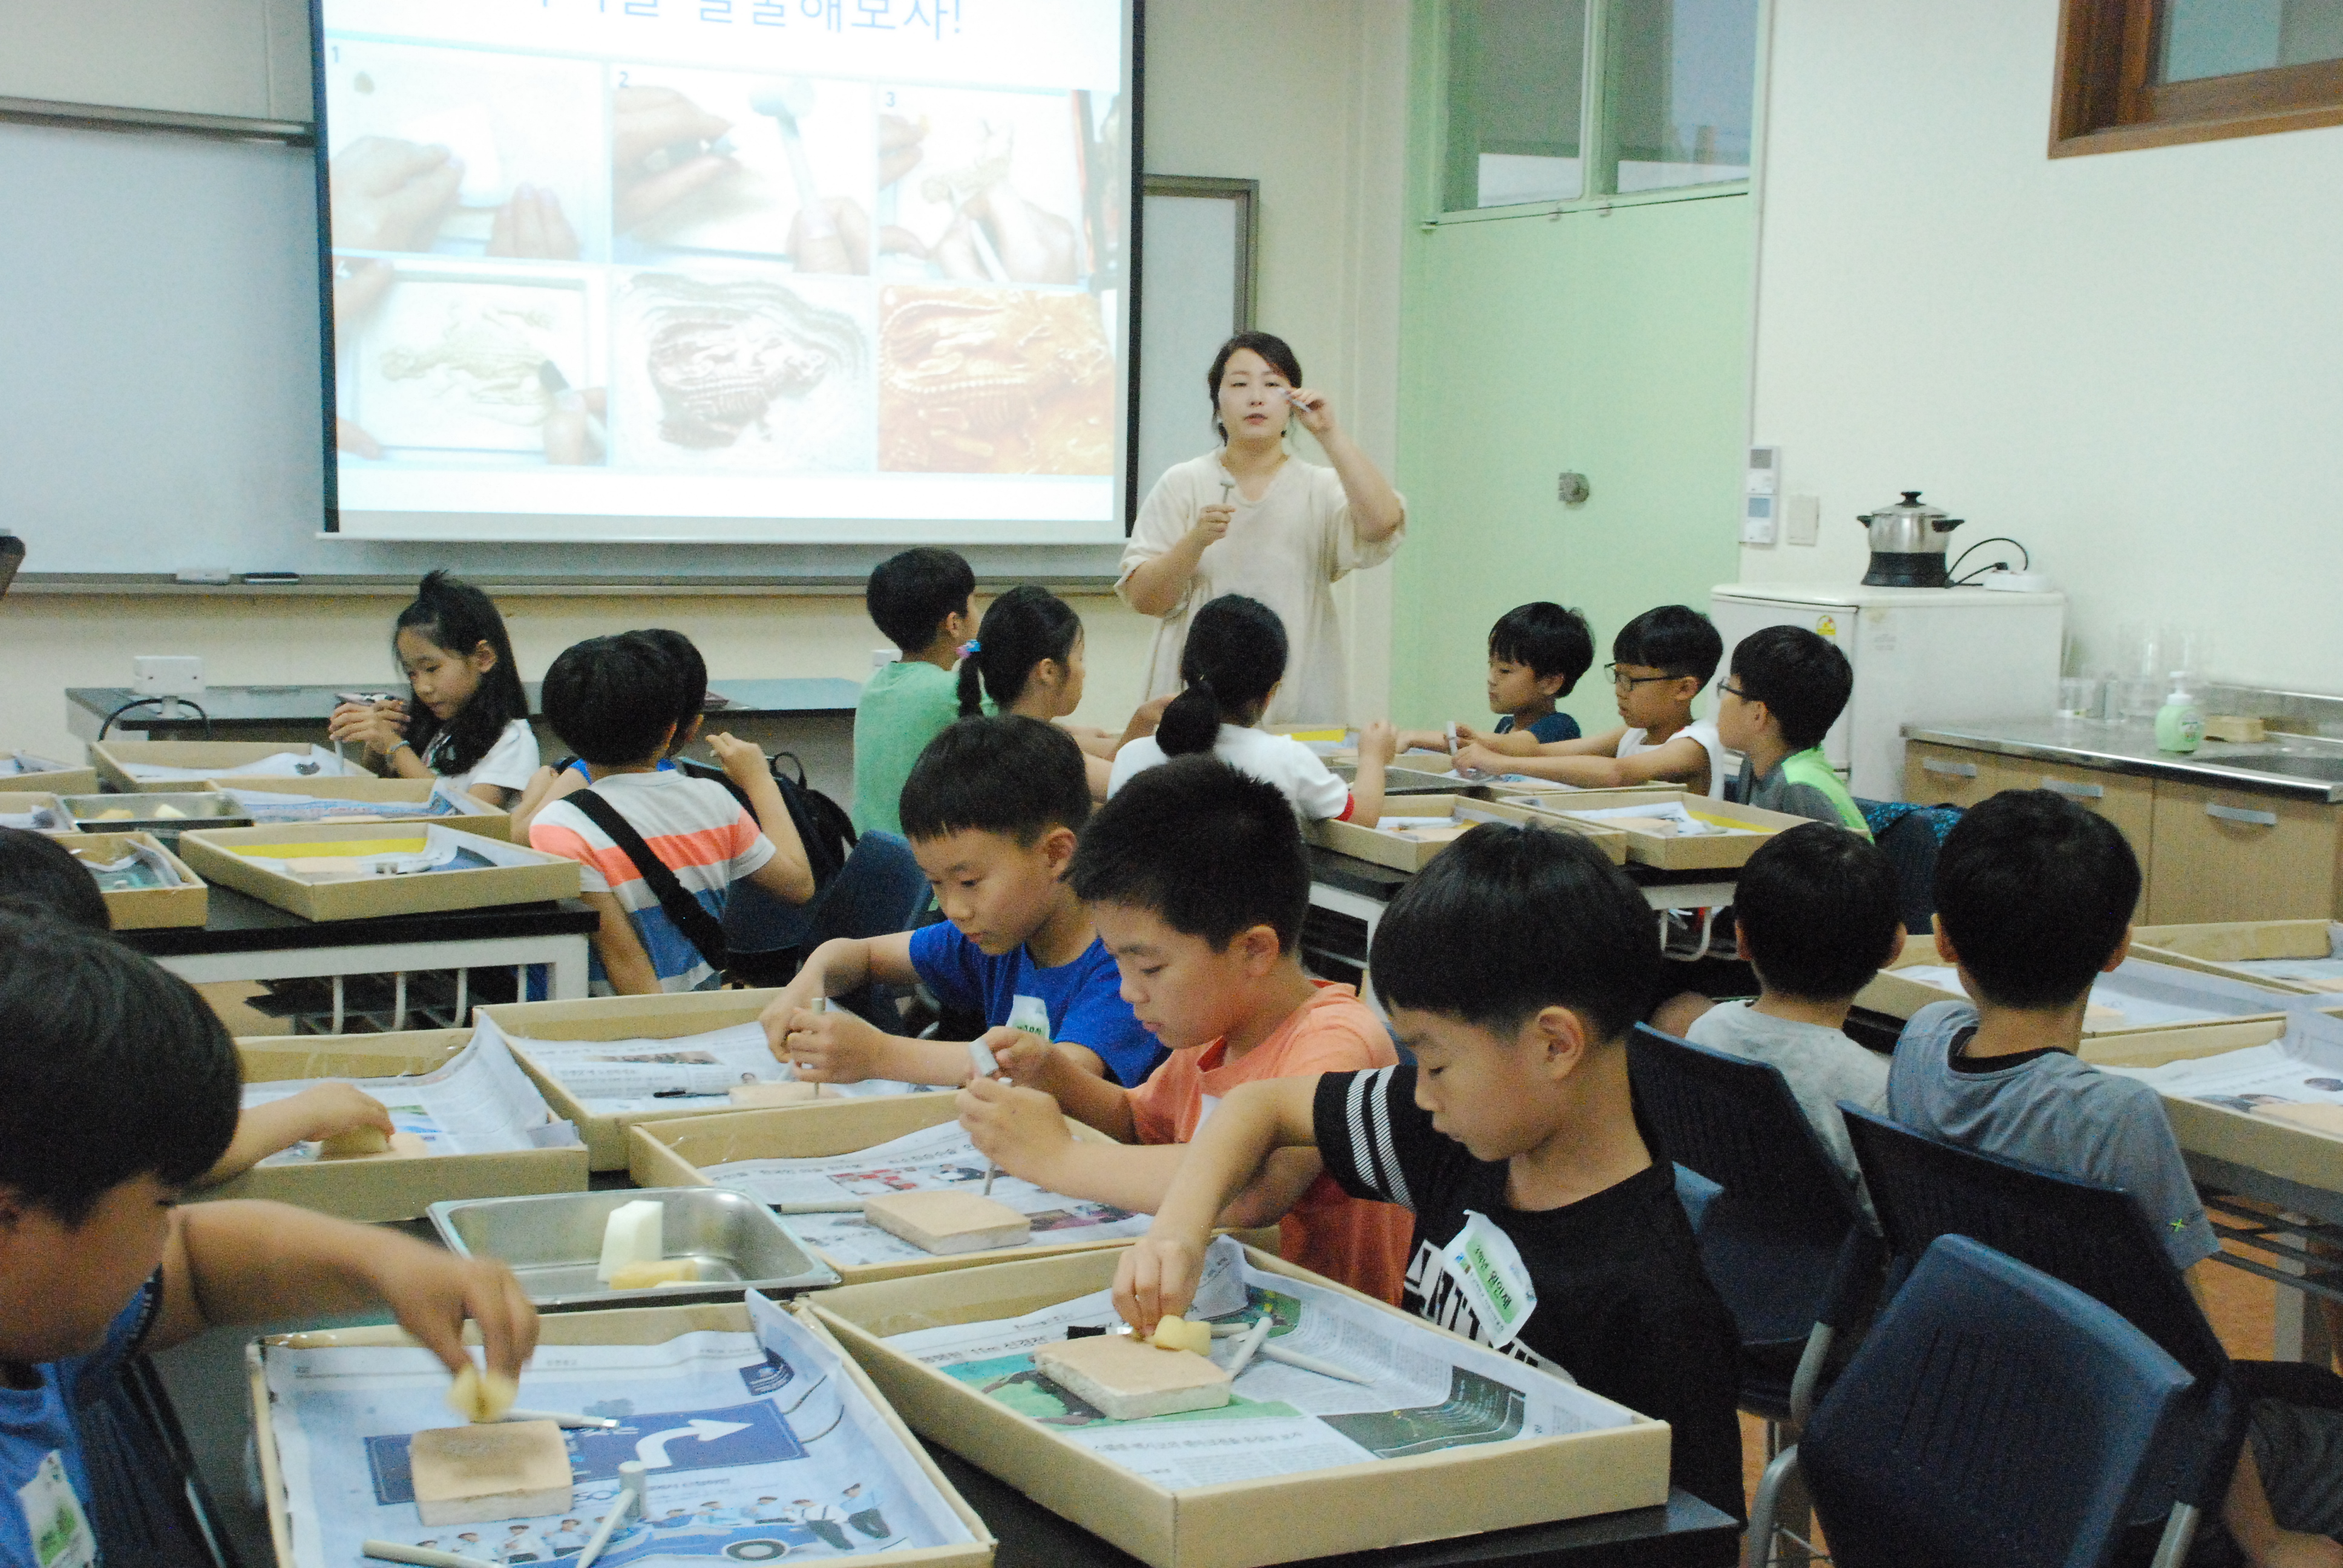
{"x":613,"y":700}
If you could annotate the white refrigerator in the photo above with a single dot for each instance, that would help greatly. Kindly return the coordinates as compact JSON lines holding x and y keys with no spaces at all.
{"x":1920,"y":655}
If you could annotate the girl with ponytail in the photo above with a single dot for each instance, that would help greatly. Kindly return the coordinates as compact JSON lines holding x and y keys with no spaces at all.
{"x":467,"y":722}
{"x":1232,"y":664}
{"x":1027,"y":658}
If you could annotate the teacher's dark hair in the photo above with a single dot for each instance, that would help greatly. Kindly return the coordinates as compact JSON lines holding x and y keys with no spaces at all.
{"x":1280,"y":355}
{"x":1020,"y":629}
{"x":1234,"y":657}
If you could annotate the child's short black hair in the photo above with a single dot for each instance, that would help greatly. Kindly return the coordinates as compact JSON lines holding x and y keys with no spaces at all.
{"x":1803,"y":679}
{"x":910,"y":594}
{"x":1674,"y":638}
{"x":1818,"y":907}
{"x":2036,"y":894}
{"x":1210,"y":850}
{"x":1001,"y":773}
{"x":690,"y":673}
{"x":613,"y":700}
{"x":110,"y":1069}
{"x":1511,"y":919}
{"x":40,"y":878}
{"x":1549,"y":639}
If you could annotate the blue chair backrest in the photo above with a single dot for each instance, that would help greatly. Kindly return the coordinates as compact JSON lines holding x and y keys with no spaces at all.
{"x":2096,"y":1239}
{"x":1993,"y":1415}
{"x":1735,"y":1121}
{"x":879,"y":891}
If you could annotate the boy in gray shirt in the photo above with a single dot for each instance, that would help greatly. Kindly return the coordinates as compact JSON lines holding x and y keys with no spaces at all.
{"x":1816,"y":911}
{"x":2033,"y":901}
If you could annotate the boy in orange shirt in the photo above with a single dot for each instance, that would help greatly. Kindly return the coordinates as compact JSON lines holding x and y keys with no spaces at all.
{"x":1195,"y":879}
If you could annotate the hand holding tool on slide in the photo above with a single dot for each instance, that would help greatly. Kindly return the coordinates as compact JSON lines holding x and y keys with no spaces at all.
{"x":648,"y":120}
{"x":816,"y":244}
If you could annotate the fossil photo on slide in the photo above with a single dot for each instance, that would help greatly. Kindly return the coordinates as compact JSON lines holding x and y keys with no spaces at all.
{"x":453,"y":363}
{"x":993,"y":381}
{"x":743,"y":373}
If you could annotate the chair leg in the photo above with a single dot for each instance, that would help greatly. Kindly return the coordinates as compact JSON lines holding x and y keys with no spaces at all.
{"x":2179,"y":1533}
{"x":1810,"y":1374}
{"x":1781,"y":1505}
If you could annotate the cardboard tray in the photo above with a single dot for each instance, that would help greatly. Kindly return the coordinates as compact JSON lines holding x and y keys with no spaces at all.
{"x":674,"y":1153}
{"x":618,"y":1017}
{"x":2241,"y":1138}
{"x":376,"y":1189}
{"x":2220,"y":949}
{"x":541,"y":876}
{"x":1403,"y":852}
{"x":56,"y":781}
{"x":145,"y":909}
{"x":1899,"y":996}
{"x":629,"y":1325}
{"x":1237,"y":1524}
{"x":395,"y":796}
{"x":1728,"y":851}
{"x":108,"y":757}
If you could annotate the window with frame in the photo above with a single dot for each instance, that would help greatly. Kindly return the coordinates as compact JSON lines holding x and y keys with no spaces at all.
{"x":2154,"y":73}
{"x":1552,"y":101}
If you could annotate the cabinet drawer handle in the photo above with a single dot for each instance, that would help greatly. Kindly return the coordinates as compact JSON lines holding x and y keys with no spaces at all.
{"x":2240,"y":814}
{"x":1950,"y":770}
{"x":2074,"y":791}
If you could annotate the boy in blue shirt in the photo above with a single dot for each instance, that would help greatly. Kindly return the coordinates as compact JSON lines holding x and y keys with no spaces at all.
{"x":118,"y":1088}
{"x":1537,"y":654}
{"x":2034,"y":901}
{"x":993,"y":810}
{"x":920,"y":600}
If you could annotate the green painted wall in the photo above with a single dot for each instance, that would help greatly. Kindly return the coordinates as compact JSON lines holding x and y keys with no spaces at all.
{"x":1614,"y":343}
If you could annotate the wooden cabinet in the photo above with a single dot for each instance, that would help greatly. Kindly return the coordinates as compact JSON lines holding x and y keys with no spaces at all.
{"x":1946,"y":775}
{"x":2126,"y":800}
{"x":2237,"y":855}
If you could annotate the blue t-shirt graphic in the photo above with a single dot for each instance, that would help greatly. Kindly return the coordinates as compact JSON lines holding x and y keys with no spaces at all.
{"x":1084,"y":996}
{"x":37,"y":1422}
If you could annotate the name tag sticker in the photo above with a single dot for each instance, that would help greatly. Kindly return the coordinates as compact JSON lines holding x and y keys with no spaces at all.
{"x":60,"y":1531}
{"x":1487,"y":1268}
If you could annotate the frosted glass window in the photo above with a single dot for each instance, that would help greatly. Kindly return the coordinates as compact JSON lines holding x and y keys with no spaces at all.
{"x":2202,"y":38}
{"x":1516,"y":90}
{"x":1682,"y":75}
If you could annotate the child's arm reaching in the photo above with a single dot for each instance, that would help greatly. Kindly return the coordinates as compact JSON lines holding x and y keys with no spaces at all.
{"x":1523,"y":743}
{"x":313,"y":1113}
{"x":834,"y":1046}
{"x":1023,"y":1132}
{"x":1377,"y":743}
{"x":788,"y":875}
{"x":243,"y":1262}
{"x":1157,"y":1277}
{"x":1087,"y":1095}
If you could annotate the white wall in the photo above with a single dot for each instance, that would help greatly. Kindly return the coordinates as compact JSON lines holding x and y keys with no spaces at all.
{"x":1304,"y":95}
{"x":247,"y":59}
{"x":2128,"y":360}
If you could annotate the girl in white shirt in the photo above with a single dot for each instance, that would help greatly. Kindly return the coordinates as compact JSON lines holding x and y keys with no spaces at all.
{"x":467,"y":725}
{"x":1232,"y":663}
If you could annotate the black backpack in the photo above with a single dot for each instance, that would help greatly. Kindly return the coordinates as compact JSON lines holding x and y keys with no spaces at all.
{"x":823,"y":825}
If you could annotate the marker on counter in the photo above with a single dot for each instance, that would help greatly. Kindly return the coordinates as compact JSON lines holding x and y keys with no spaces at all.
{"x":268,"y":579}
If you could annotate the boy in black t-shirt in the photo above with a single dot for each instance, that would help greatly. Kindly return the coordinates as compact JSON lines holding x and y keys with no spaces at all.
{"x":1513,"y":966}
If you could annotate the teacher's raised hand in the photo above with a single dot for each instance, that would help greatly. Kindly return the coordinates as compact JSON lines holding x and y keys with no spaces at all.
{"x":1311,"y":410}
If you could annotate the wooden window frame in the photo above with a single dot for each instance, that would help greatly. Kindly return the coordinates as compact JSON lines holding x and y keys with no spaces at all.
{"x":2106,"y":100}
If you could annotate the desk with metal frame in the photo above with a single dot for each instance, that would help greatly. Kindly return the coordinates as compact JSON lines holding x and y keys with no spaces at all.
{"x":2292,"y":1216}
{"x":246,"y":940}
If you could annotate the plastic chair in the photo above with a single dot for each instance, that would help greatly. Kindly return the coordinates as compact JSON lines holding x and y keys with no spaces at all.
{"x":1993,"y":1415}
{"x":1910,"y":836}
{"x":878,"y":891}
{"x":1786,"y":1242}
{"x":2096,"y":1239}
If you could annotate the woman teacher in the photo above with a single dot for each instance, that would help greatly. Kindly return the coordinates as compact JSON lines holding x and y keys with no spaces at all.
{"x":1253,"y":519}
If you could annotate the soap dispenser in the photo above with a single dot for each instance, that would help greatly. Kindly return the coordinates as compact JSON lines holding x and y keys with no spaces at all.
{"x":2179,"y":723}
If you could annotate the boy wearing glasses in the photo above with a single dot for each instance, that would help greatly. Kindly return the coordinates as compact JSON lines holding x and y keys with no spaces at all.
{"x":1787,"y":688}
{"x":1660,"y":661}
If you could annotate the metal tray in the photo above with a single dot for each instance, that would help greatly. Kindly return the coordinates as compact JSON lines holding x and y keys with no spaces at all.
{"x":196,"y":809}
{"x":1411,"y":782}
{"x":553,"y":1243}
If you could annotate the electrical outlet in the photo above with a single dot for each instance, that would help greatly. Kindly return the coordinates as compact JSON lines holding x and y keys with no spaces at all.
{"x":1802,"y":520}
{"x":174,"y":676}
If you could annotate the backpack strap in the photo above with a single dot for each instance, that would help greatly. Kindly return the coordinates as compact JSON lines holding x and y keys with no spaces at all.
{"x":702,"y":929}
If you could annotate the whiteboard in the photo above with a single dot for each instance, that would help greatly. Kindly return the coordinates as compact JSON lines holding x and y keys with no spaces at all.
{"x":159,"y":384}
{"x":1196,"y":262}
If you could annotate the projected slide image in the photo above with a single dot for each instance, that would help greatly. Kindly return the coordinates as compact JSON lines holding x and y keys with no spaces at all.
{"x":731,"y":371}
{"x":993,"y":381}
{"x":466,"y":153}
{"x":455,"y":360}
{"x":765,"y":165}
{"x":985,"y":186}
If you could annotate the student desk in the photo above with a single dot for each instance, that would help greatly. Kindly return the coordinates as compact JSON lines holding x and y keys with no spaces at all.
{"x":246,"y":940}
{"x":1346,"y":892}
{"x":813,"y":718}
{"x":206,"y":1379}
{"x":2316,"y":1212}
